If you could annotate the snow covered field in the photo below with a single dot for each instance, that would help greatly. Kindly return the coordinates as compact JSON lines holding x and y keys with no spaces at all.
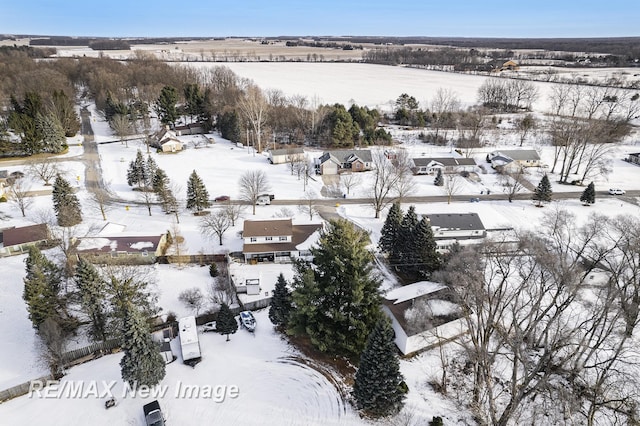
{"x":274,"y":383}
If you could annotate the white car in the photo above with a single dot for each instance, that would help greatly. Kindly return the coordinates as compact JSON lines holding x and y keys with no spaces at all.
{"x":616,"y":191}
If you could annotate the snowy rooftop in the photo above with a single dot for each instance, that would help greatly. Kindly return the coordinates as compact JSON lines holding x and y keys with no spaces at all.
{"x":412,"y":291}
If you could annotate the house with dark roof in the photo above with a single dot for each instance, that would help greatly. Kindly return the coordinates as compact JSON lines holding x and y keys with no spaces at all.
{"x":277,"y":240}
{"x":189,"y":129}
{"x":634,"y":158}
{"x":335,"y":162}
{"x":448,"y":165}
{"x":121,"y":249}
{"x":463,"y":228}
{"x":520,"y":158}
{"x":167,"y":140}
{"x":17,"y":240}
{"x":423,"y":315}
{"x":281,"y":156}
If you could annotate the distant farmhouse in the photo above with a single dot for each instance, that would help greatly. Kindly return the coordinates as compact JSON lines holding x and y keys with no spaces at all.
{"x":448,"y":165}
{"x":121,"y":249}
{"x":277,"y":240}
{"x":423,"y":315}
{"x":189,"y":129}
{"x":463,"y":228}
{"x":335,"y":162}
{"x":166,"y":140}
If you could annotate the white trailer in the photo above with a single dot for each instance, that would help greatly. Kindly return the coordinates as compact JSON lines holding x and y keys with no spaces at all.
{"x":189,"y":342}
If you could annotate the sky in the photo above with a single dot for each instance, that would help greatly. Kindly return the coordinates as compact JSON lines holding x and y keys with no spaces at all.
{"x":214,"y":18}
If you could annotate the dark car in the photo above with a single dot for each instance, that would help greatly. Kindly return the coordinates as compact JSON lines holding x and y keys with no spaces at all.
{"x":222,"y":198}
{"x":152,"y":414}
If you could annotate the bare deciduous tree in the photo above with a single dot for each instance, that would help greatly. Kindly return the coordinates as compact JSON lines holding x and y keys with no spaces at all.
{"x":308,"y":205}
{"x":350,"y":180}
{"x":20,"y":194}
{"x":101,"y":201}
{"x":385,"y":178}
{"x":54,"y":344}
{"x":252,"y":184}
{"x":215,"y":224}
{"x":193,"y":299}
{"x":45,"y":169}
{"x":452,"y":185}
{"x":254,"y":108}
{"x":122,"y":127}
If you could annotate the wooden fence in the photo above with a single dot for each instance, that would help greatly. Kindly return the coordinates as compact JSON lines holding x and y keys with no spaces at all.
{"x":202,"y":259}
{"x":21,"y":389}
{"x":70,"y":358}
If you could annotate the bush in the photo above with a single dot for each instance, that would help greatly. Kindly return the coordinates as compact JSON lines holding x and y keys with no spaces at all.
{"x":436,"y":421}
{"x":213,"y":270}
{"x":3,"y":199}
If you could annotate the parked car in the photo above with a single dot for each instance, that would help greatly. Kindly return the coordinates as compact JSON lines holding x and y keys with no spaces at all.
{"x":209,"y":326}
{"x":247,"y":320}
{"x":222,"y":198}
{"x":152,"y":414}
{"x":616,"y":191}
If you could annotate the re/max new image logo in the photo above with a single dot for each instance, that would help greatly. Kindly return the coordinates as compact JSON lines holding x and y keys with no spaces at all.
{"x":86,"y":389}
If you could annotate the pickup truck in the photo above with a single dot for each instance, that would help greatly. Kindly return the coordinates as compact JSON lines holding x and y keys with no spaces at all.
{"x":152,"y":414}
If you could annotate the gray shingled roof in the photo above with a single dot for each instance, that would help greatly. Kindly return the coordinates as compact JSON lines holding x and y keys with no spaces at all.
{"x":343,"y":155}
{"x":267,"y":228}
{"x":286,"y":151}
{"x":466,"y":221}
{"x":521,"y":154}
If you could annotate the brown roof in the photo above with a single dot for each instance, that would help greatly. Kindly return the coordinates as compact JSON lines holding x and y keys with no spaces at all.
{"x":299,"y":235}
{"x":25,"y":234}
{"x":267,"y":228}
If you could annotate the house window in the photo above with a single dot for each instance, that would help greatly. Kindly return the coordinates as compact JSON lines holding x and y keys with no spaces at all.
{"x":114,"y":254}
{"x":269,"y":238}
{"x":282,"y":239}
{"x":145,"y":253}
{"x":253,"y":239}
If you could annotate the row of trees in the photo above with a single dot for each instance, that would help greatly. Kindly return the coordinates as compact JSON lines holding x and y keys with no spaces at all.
{"x":552,"y":323}
{"x":335,"y":304}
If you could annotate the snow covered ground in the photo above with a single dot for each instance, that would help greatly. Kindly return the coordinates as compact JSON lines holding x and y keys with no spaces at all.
{"x":274,"y":383}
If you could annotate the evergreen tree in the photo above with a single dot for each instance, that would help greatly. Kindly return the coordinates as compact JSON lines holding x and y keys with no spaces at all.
{"x":280,"y":303}
{"x":390,"y":229}
{"x":162,"y":189}
{"x":42,"y":286}
{"x":65,"y":203}
{"x":137,"y":172}
{"x":93,"y":298}
{"x":439,"y":180}
{"x":226,"y":322}
{"x":427,"y":257}
{"x":63,"y":109}
{"x":150,"y":168}
{"x":53,"y":139}
{"x":194,"y":100}
{"x":229,"y":125}
{"x":336,"y":303}
{"x":543,"y":191}
{"x":588,"y":195}
{"x":142,"y":364}
{"x":379,"y":388}
{"x":403,"y":250}
{"x":166,"y":105}
{"x":197,"y":195}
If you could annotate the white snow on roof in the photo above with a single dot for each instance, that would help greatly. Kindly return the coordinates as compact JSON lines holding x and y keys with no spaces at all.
{"x":309,"y":242}
{"x":141,"y":245}
{"x":411,"y":291}
{"x":96,"y":243}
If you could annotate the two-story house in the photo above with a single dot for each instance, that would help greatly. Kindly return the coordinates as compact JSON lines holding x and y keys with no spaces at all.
{"x":455,"y":227}
{"x":276,"y":240}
